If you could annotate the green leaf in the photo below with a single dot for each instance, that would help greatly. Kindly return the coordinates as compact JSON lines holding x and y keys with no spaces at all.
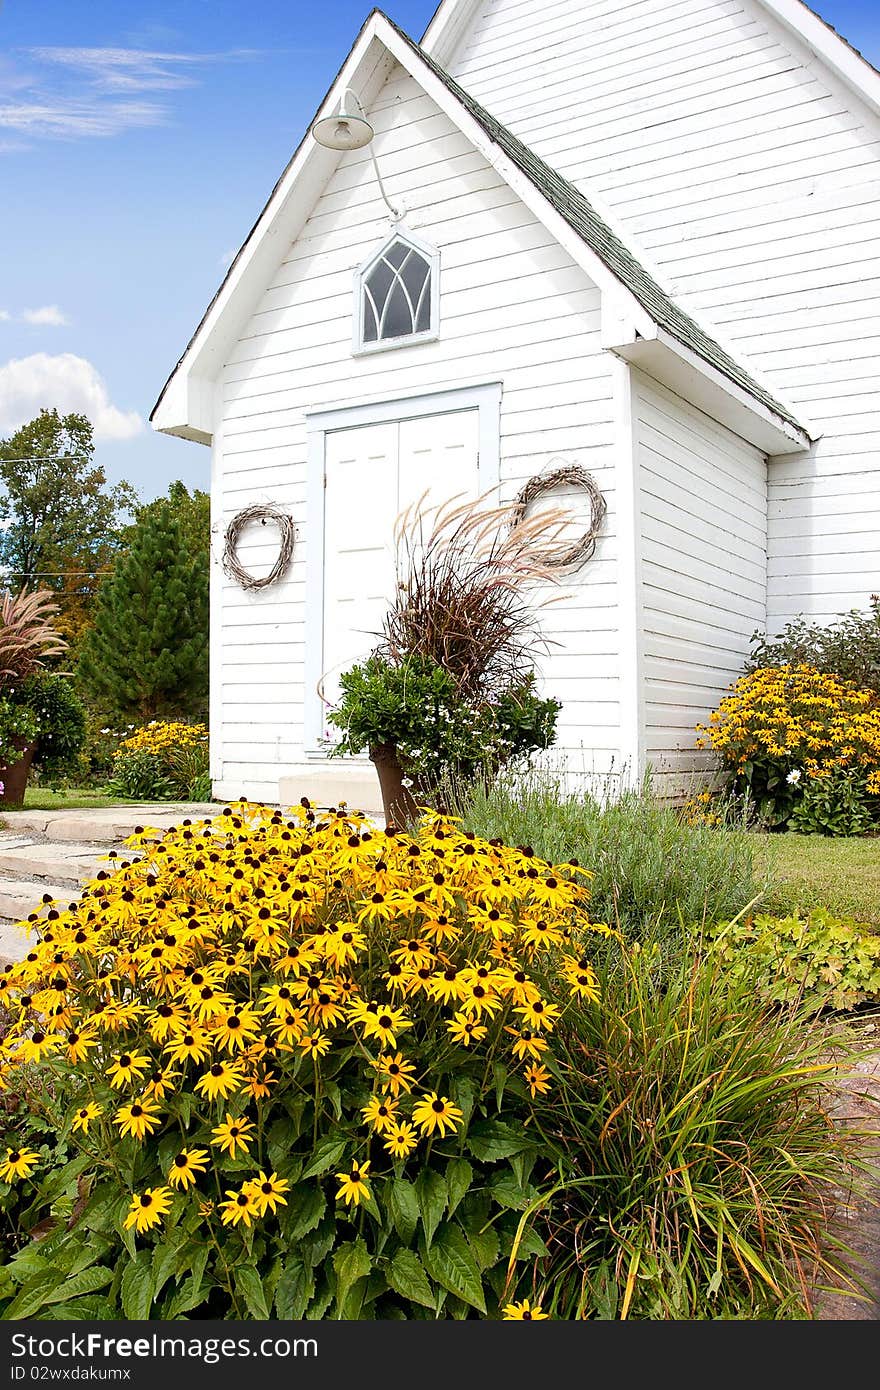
{"x":249,"y":1285}
{"x":459,"y":1176}
{"x":89,"y":1281}
{"x":351,"y":1263}
{"x":432,"y":1197}
{"x":326,"y":1156}
{"x":90,"y":1308}
{"x":486,"y":1247}
{"x":499,"y":1071}
{"x":33,"y":1295}
{"x":166,"y":1259}
{"x":295,"y":1291}
{"x":403,"y":1205}
{"x":190,"y":1295}
{"x":450,"y":1262}
{"x":307,"y":1205}
{"x":136,"y":1292}
{"x":491,"y":1140}
{"x":406,"y":1277}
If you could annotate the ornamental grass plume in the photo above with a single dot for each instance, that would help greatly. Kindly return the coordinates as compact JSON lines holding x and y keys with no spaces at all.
{"x":28,"y":636}
{"x":463,"y":600}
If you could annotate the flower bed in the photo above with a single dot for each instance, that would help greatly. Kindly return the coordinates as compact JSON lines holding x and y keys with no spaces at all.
{"x":166,"y":760}
{"x":299,"y":1061}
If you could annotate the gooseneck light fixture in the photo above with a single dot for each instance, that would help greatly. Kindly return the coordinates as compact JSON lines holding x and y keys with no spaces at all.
{"x":349,"y":129}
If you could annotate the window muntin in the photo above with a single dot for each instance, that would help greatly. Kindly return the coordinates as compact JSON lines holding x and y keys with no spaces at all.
{"x":397,"y":295}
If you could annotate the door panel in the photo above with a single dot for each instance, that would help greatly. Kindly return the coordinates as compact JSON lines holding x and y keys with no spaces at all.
{"x":372,"y":473}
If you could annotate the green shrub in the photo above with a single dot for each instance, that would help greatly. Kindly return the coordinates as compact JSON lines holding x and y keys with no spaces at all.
{"x":18,"y":726}
{"x":837,"y":804}
{"x":699,"y":1160}
{"x":142,"y":776}
{"x":163,"y":761}
{"x":60,"y":718}
{"x":819,"y":961}
{"x":647,"y":863}
{"x":848,"y":648}
{"x":439,"y":734}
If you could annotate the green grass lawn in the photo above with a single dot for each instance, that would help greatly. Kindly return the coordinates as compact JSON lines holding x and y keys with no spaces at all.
{"x":72,"y":799}
{"x":807,"y":871}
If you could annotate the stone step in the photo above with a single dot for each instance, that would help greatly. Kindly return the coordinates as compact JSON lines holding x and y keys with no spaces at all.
{"x":19,"y":898}
{"x":105,"y":825}
{"x":44,"y":861}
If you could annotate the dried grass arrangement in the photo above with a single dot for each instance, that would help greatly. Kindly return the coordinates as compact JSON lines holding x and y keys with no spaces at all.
{"x":27,"y":634}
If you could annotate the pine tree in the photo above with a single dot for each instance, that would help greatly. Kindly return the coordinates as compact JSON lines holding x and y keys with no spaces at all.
{"x":147,"y":653}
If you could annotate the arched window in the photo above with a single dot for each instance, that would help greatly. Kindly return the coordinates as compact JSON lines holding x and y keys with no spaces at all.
{"x":397,"y":295}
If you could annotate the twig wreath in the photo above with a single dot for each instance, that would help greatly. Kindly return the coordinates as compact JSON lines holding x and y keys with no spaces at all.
{"x":263,"y":514}
{"x":568,"y":476}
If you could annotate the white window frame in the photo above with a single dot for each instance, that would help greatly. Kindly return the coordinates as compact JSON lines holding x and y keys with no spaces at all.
{"x":485,"y":398}
{"x":358,"y":347}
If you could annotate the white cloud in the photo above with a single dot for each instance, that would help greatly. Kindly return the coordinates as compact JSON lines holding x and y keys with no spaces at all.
{"x":61,"y":119}
{"x":132,"y":69}
{"x":47,"y":316}
{"x":5,"y":316}
{"x":67,"y":383}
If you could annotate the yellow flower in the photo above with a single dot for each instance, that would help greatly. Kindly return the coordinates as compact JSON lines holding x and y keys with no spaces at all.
{"x":524,"y":1311}
{"x":380,"y":1113}
{"x":537,"y":1079}
{"x":233,"y":1134}
{"x":268,"y":1192}
{"x":436,"y":1112}
{"x":147,"y":1209}
{"x":84,"y":1116}
{"x":353,"y":1185}
{"x":400,"y":1140}
{"x":241,"y":1206}
{"x":187,"y":1166}
{"x":466,"y":1030}
{"x":221,"y":1079}
{"x":18,"y":1163}
{"x":137,"y":1119}
{"x":395,"y":1074}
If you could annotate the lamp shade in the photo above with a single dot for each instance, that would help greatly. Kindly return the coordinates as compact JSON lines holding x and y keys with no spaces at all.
{"x":343,"y":132}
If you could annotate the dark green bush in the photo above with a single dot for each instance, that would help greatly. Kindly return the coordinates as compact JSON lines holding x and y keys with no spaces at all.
{"x":849,"y":647}
{"x":60,"y":718}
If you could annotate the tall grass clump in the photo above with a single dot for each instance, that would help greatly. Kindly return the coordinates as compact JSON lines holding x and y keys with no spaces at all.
{"x":700,"y":1164}
{"x":649,"y":864}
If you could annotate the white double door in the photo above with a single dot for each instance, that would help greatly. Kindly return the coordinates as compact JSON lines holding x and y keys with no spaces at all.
{"x":372,"y":473}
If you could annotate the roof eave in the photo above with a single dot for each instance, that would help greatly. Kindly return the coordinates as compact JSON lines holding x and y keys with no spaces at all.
{"x":690,"y":376}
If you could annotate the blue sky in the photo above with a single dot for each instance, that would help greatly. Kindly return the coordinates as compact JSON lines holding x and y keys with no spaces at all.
{"x":138,"y":141}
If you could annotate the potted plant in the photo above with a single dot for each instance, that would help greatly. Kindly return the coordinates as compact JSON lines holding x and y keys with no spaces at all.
{"x":449,"y":692}
{"x":27,"y":640}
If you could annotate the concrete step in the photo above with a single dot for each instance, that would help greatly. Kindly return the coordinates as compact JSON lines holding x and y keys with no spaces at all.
{"x":46,"y":862}
{"x":105,"y":825}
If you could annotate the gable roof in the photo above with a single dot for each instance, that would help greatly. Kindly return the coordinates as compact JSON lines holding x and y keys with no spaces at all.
{"x":563,"y":208}
{"x":451,"y":18}
{"x":582,"y":217}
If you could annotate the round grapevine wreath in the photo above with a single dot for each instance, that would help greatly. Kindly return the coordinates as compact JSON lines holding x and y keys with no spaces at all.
{"x":263,"y":514}
{"x":570,"y":475}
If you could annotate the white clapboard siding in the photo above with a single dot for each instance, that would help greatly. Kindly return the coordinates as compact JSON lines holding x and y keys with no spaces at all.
{"x":703,"y":541}
{"x":514,"y":309}
{"x":748,"y":176}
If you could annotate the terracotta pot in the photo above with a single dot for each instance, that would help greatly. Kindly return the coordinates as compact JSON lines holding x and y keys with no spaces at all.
{"x":398,"y":801}
{"x":14,"y":776}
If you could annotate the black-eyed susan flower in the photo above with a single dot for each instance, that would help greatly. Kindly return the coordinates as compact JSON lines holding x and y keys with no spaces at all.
{"x":353,"y":1184}
{"x":147,"y":1209}
{"x":240,"y":1207}
{"x":18,"y":1163}
{"x":138,"y":1119}
{"x":539,"y":1015}
{"x":537,"y":1079}
{"x":78,"y":1044}
{"x":222,"y":1079}
{"x":84,"y":1116}
{"x":435,"y":1112}
{"x":466,"y":1030}
{"x":268,"y":1192}
{"x":232,"y":1135}
{"x":400,"y":1140}
{"x":237,"y":1029}
{"x":187,"y":1166}
{"x":192,"y":1045}
{"x":385,"y":1024}
{"x":259,"y":1083}
{"x":315,"y":1044}
{"x":395,"y":1074}
{"x":527,"y":1044}
{"x":380,"y":1113}
{"x":523,"y":1311}
{"x":35,"y":1047}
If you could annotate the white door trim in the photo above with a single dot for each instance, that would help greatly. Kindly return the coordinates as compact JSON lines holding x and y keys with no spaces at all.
{"x":486,"y":399}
